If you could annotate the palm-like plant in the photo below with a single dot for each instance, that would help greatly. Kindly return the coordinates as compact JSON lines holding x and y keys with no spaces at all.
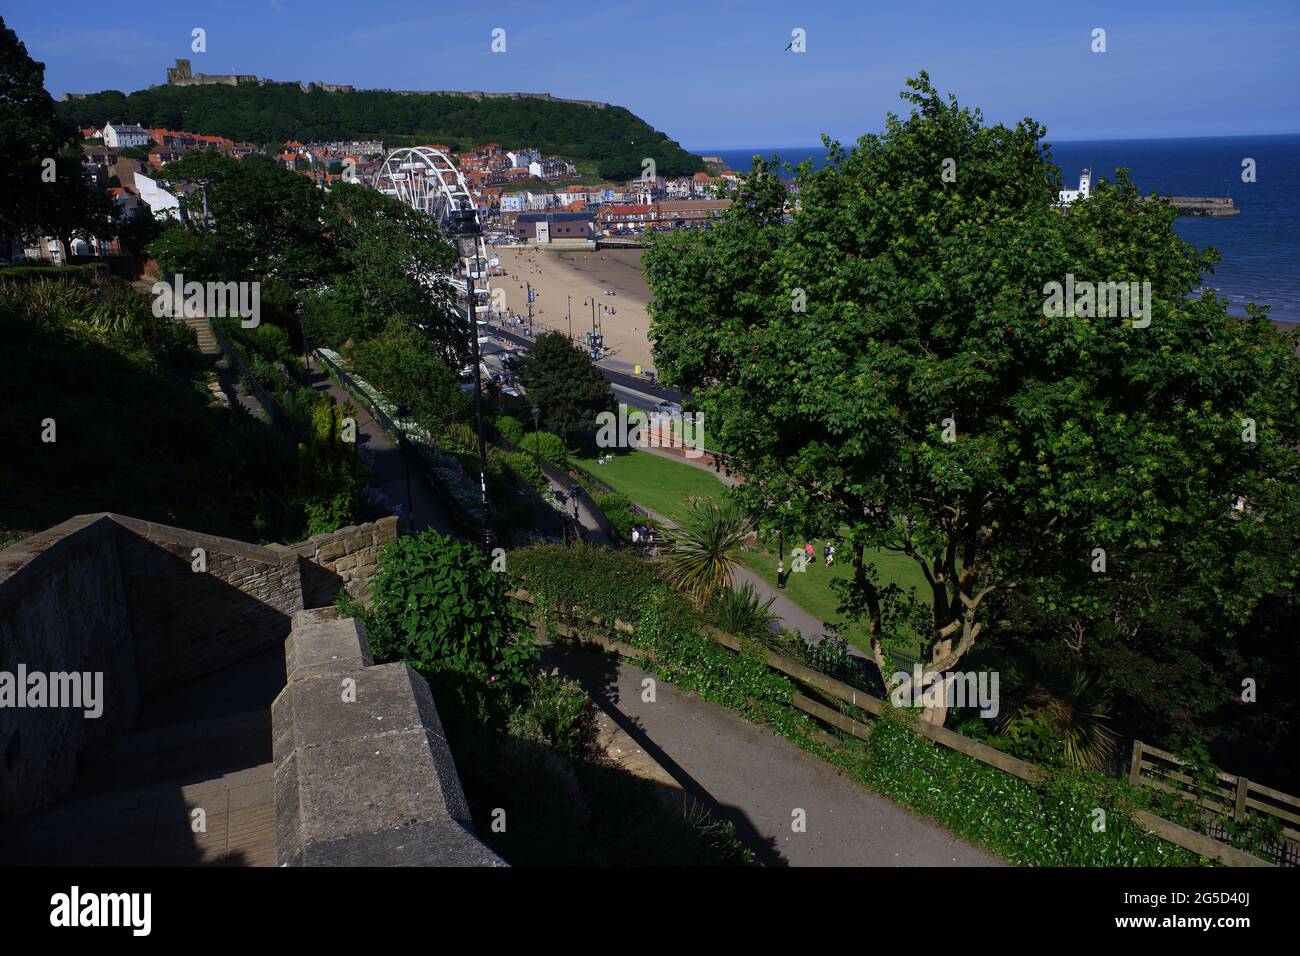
{"x":1065,"y":699}
{"x":743,"y":612}
{"x":705,"y":548}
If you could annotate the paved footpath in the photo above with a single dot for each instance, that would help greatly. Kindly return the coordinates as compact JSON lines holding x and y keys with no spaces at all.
{"x":757,"y":780}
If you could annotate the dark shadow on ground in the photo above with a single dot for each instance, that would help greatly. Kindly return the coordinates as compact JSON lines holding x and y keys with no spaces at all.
{"x":598,"y":674}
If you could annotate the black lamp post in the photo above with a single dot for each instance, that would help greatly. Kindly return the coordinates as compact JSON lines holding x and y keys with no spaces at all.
{"x":537,"y":435}
{"x":574,"y":492}
{"x":780,"y":558}
{"x":300,"y":310}
{"x":467,"y":233}
{"x":401,"y":411}
{"x":570,"y":318}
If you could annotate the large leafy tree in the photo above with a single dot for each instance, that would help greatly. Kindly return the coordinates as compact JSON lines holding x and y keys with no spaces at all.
{"x":262,"y":221}
{"x":563,"y":382}
{"x":391,"y":260}
{"x":884,"y":369}
{"x":70,"y":206}
{"x":33,"y":140}
{"x":357,"y":258}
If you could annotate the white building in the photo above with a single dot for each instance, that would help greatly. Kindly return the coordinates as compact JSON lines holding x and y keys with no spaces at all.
{"x":161,"y":203}
{"x":1068,"y":196}
{"x":520,"y":159}
{"x":512,"y":202}
{"x":122,"y":135}
{"x":536,"y":201}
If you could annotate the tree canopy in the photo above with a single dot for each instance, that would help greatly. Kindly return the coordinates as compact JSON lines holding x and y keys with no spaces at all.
{"x":563,"y":382}
{"x":354,"y":257}
{"x":42,"y":191}
{"x":888,"y":368}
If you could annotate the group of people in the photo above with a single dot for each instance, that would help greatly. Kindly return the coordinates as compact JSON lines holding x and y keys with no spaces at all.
{"x":642,"y":534}
{"x":828,"y":553}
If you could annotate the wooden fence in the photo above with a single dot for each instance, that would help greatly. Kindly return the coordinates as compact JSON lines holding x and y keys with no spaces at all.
{"x":1228,"y":794}
{"x":580,"y":628}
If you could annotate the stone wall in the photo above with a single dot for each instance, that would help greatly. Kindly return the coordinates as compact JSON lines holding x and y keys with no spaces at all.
{"x":363,"y":772}
{"x":346,"y":558}
{"x":120,"y":596}
{"x":188,"y":624}
{"x":63,"y":608}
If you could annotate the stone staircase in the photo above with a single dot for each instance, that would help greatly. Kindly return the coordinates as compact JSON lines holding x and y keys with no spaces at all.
{"x":135,"y":797}
{"x":203,"y":329}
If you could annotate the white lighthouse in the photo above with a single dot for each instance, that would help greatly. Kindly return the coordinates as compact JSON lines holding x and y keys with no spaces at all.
{"x":1067,"y":196}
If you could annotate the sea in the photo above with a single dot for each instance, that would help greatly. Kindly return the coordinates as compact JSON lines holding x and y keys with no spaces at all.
{"x":1260,"y":247}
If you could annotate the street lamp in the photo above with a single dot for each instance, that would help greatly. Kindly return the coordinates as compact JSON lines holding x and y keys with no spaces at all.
{"x":537,"y":435}
{"x":401,"y":411}
{"x":467,"y":232}
{"x":300,"y":310}
{"x":780,"y":558}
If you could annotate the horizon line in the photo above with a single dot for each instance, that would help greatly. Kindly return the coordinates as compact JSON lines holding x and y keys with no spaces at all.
{"x":699,"y":151}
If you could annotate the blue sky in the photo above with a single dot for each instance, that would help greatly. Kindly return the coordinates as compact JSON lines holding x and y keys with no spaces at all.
{"x":714,"y":73}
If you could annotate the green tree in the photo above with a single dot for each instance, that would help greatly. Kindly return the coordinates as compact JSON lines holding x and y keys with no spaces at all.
{"x":404,"y":366}
{"x":263,"y":221}
{"x":71,"y":207}
{"x":392,"y":260}
{"x":562,"y":380}
{"x":32,"y":139}
{"x":919,"y":395}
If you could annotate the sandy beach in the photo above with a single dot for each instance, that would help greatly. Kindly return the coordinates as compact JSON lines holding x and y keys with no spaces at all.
{"x":584,"y":275}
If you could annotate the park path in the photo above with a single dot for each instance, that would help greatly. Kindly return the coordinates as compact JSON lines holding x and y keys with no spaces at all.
{"x":746,"y":774}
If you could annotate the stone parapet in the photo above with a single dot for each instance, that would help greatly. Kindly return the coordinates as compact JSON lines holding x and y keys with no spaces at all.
{"x":364,"y":775}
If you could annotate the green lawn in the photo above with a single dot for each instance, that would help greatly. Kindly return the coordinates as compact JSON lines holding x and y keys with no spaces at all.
{"x":811,"y":589}
{"x":652,"y":481}
{"x":661,"y":485}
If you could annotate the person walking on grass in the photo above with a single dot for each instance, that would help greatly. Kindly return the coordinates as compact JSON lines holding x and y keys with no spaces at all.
{"x":810,"y":553}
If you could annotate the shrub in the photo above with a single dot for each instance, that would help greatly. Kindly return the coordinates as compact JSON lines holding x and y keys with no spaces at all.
{"x":403,"y":365}
{"x":548,"y":446}
{"x":706,"y":548}
{"x":743,"y":612}
{"x":618,"y":509}
{"x":438,"y":604}
{"x":523,"y":465}
{"x":330,"y":474}
{"x":555,"y":712}
{"x":509,"y":429}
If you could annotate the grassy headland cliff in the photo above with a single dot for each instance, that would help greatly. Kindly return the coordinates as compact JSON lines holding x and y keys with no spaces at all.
{"x":611,"y":138}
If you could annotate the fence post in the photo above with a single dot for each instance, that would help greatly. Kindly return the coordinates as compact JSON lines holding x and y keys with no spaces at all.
{"x":1135,"y":768}
{"x":1239,"y":811}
